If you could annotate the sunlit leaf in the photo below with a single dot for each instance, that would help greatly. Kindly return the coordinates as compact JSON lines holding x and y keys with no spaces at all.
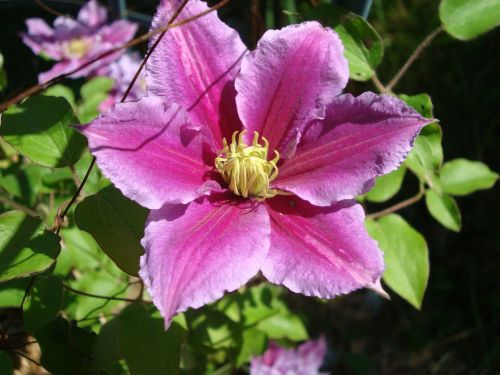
{"x":462,"y":177}
{"x":387,"y":186}
{"x":26,"y":248}
{"x":40,"y":129}
{"x":263,"y":307}
{"x":253,"y":343}
{"x":96,"y":282}
{"x":444,"y":209}
{"x":363,"y":47}
{"x":284,"y":326}
{"x":12,"y":292}
{"x":405,"y":255}
{"x":62,"y":92}
{"x":426,"y":157}
{"x":23,"y":181}
{"x":467,"y":19}
{"x":93,"y":93}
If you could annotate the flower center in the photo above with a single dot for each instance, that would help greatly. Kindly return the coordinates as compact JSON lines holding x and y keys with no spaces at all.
{"x":246,"y":168}
{"x":77,"y":48}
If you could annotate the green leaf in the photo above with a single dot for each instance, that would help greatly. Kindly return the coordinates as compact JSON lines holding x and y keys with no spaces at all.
{"x":387,"y":186}
{"x":467,"y":19}
{"x":40,"y":129}
{"x":26,"y":248}
{"x":23,"y":181}
{"x":426,"y":157}
{"x":43,"y":304}
{"x":66,"y":348}
{"x":79,"y":251}
{"x":405,"y":254}
{"x":284,"y":326}
{"x":97,"y":282}
{"x":62,"y":92}
{"x":212,"y":331}
{"x":96,"y":85}
{"x":12,"y":293}
{"x":462,"y":177}
{"x":421,"y":103}
{"x":363,"y":47}
{"x":107,"y":350}
{"x":93,"y":93}
{"x":96,"y":181}
{"x":116,"y":223}
{"x":263,"y":307}
{"x":253,"y":343}
{"x":142,"y":341}
{"x":444,"y":209}
{"x":89,"y":109}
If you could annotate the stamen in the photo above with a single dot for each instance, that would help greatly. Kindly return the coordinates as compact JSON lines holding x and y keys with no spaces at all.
{"x":246,"y":169}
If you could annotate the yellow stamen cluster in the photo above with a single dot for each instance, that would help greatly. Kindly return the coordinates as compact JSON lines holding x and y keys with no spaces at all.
{"x":77,"y":48}
{"x":246,"y":168}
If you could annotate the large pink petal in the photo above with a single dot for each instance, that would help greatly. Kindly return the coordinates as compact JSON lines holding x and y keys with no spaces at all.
{"x":150,"y":152}
{"x":194,"y":65}
{"x":287,"y":81}
{"x":196,"y":252}
{"x":361,"y":138}
{"x":320,"y":251}
{"x":92,"y":14}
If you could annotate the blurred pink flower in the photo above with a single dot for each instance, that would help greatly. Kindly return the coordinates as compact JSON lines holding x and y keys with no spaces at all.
{"x":75,"y":42}
{"x":203,"y":151}
{"x":122,"y":72}
{"x":303,"y":360}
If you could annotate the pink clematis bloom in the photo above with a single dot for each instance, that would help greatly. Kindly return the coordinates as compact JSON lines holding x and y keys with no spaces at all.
{"x":122,"y":72}
{"x":249,"y":161}
{"x":73,"y":42}
{"x":304,"y":360}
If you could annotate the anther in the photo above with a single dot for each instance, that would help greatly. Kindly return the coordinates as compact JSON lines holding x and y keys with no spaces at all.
{"x":246,"y":169}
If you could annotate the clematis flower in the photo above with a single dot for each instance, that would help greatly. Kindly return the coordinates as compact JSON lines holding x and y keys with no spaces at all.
{"x":73,"y":42}
{"x":122,"y":72}
{"x":304,"y":360}
{"x":249,"y":161}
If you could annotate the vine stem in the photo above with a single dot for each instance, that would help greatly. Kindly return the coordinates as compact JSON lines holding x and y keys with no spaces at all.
{"x":398,"y":206}
{"x":17,"y":206}
{"x":49,"y":9}
{"x":141,"y":39}
{"x":413,"y":57}
{"x":74,"y":173}
{"x":75,"y":196}
{"x":150,"y":51}
{"x":27,"y":357}
{"x":378,"y":84}
{"x":27,"y":291}
{"x":103,"y":297}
